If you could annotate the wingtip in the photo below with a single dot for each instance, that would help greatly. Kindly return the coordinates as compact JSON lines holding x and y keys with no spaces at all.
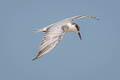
{"x":34,"y":59}
{"x":94,"y":17}
{"x":97,"y":19}
{"x":84,"y":16}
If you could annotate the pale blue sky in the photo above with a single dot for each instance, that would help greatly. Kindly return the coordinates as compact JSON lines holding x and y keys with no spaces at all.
{"x":96,"y":57}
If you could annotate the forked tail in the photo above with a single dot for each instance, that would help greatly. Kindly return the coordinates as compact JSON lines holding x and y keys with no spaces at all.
{"x":38,"y":30}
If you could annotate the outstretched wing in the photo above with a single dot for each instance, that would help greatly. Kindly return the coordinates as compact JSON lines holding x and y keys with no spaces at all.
{"x":67,"y":20}
{"x":80,"y":17}
{"x":51,"y":38}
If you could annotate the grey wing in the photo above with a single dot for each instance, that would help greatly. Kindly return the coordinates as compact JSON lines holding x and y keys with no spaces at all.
{"x":80,"y":17}
{"x":51,"y":38}
{"x":67,"y":20}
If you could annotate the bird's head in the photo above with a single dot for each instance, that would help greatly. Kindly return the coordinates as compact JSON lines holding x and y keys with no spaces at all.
{"x":77,"y":29}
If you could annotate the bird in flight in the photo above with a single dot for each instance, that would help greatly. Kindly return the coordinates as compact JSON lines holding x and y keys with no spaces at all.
{"x":54,"y":33}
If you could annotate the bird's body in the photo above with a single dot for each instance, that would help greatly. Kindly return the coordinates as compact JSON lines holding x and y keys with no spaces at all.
{"x":54,"y":33}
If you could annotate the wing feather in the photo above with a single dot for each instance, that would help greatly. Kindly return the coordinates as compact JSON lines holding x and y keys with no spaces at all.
{"x":69,"y":20}
{"x":51,"y":38}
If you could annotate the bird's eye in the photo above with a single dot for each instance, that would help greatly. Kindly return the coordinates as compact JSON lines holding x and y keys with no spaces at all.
{"x":77,"y":27}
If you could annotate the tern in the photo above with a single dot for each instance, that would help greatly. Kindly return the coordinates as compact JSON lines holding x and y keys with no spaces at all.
{"x":54,"y":33}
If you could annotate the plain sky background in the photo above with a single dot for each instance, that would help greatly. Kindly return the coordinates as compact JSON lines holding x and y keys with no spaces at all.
{"x":96,"y":57}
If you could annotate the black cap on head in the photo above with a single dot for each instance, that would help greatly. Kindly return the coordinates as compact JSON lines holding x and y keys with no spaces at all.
{"x":78,"y":29}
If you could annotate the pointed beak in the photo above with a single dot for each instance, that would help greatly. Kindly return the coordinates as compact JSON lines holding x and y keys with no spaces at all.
{"x":79,"y":35}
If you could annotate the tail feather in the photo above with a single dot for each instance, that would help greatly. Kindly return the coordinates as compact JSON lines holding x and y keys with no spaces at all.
{"x":38,"y":30}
